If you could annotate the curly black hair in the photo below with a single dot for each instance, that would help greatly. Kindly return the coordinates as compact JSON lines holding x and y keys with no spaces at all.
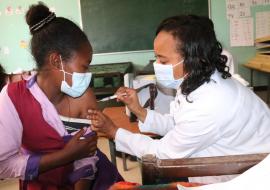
{"x":3,"y":77}
{"x":197,"y":43}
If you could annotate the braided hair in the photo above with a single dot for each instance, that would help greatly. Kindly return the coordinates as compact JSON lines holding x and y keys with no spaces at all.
{"x":52,"y":34}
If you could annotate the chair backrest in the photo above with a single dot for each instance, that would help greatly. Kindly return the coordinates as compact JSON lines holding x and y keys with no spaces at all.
{"x":154,"y":169}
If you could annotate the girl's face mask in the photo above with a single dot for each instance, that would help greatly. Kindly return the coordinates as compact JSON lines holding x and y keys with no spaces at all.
{"x":80,"y":82}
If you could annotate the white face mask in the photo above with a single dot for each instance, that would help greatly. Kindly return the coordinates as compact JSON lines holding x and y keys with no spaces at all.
{"x":80,"y":82}
{"x":164,"y":75}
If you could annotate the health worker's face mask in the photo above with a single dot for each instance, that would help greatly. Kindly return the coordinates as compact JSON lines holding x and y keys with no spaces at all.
{"x":164,"y":75}
{"x":80,"y":82}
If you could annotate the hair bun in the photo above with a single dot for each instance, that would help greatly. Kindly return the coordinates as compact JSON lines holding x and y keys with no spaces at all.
{"x":36,"y":13}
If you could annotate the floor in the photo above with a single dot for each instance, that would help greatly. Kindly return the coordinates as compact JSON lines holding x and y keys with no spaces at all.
{"x":133,"y":174}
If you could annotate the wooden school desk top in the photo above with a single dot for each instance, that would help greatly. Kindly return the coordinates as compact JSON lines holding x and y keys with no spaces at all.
{"x":120,"y":119}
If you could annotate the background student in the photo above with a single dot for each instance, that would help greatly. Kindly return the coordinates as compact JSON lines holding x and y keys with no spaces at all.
{"x":3,"y":77}
{"x":7,"y":78}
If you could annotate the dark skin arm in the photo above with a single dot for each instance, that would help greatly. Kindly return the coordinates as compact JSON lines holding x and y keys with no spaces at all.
{"x":75,"y":149}
{"x":102,"y":123}
{"x":88,"y":101}
{"x":77,"y":107}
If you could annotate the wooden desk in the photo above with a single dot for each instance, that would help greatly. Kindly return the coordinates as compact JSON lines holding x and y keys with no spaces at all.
{"x":120,"y":119}
{"x":155,"y":170}
{"x":108,"y":72}
{"x":260,"y":68}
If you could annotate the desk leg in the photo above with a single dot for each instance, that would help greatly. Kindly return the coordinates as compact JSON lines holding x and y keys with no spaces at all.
{"x":268,"y":91}
{"x":124,"y":157}
{"x":112,"y":151}
{"x":251,"y":79}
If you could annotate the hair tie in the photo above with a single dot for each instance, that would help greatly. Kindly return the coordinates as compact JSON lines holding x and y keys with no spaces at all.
{"x":43,"y":22}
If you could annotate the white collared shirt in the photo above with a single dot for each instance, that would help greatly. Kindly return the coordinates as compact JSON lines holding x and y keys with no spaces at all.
{"x":224,"y":118}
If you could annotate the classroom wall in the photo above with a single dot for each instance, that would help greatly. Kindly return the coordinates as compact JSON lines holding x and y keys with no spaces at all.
{"x":240,"y":54}
{"x":71,"y":9}
{"x":218,"y":14}
{"x":15,"y":36}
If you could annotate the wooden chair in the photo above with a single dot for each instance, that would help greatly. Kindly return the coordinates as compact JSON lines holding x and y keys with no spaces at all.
{"x":156,"y":170}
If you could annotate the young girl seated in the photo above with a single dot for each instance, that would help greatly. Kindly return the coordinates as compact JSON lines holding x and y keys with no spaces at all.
{"x":34,"y":143}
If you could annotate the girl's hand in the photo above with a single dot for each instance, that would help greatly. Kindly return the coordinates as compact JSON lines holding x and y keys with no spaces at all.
{"x":75,"y":149}
{"x":102,"y":123}
{"x":80,"y":147}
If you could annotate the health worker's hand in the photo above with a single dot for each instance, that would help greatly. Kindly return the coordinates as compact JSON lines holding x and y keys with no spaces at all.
{"x":102,"y":123}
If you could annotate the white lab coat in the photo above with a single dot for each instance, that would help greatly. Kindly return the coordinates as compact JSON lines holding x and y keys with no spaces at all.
{"x":224,"y":118}
{"x":230,"y":64}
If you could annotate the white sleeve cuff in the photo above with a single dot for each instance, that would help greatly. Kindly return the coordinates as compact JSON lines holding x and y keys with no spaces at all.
{"x":122,"y":136}
{"x":133,"y":143}
{"x":146,"y":126}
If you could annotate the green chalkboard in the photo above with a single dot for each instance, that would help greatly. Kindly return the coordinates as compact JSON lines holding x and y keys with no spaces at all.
{"x":14,"y":40}
{"x":129,"y":25}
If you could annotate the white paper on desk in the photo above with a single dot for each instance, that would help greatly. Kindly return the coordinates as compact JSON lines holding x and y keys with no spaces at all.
{"x":256,"y":178}
{"x":241,"y":32}
{"x":262,"y":24}
{"x":128,"y":82}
